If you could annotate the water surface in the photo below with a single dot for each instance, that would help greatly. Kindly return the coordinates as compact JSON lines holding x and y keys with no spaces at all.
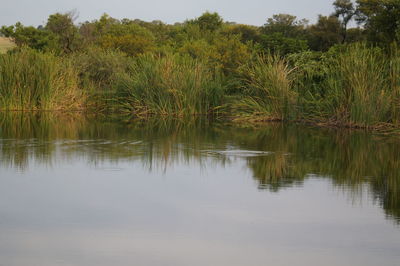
{"x":78,"y":190}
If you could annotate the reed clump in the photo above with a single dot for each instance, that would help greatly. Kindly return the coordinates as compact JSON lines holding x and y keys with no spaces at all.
{"x":394,"y":82}
{"x":169,"y":85}
{"x":357,"y":88}
{"x":267,"y":83}
{"x":30,"y":80}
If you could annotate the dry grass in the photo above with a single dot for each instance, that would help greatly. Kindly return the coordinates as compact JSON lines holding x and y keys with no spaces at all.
{"x":6,"y":44}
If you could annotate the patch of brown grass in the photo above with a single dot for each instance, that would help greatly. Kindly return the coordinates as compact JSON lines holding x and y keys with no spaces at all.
{"x":6,"y":44}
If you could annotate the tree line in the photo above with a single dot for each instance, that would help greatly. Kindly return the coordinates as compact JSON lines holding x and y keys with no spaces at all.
{"x":378,"y":23}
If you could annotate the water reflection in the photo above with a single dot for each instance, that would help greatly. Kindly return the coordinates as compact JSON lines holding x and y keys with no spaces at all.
{"x":278,"y":156}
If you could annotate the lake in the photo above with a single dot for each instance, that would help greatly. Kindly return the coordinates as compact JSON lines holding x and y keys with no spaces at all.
{"x":87,"y":190}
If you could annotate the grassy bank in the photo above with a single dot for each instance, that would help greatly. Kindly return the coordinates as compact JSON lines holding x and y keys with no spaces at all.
{"x":349,"y":86}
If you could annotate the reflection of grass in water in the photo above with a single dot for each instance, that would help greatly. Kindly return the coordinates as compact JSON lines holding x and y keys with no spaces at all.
{"x":273,"y":171}
{"x":349,"y":159}
{"x":32,"y":135}
{"x":158,"y":141}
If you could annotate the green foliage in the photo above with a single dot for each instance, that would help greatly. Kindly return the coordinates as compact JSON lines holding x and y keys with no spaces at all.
{"x":355,"y":35}
{"x":276,"y":43}
{"x":62,"y":25}
{"x":381,"y":19}
{"x":232,"y":53}
{"x":325,"y":34}
{"x":199,"y":49}
{"x":30,"y":80}
{"x":208,"y":21}
{"x":284,"y":34}
{"x":246,"y":33}
{"x":131,"y":39}
{"x":39,"y":39}
{"x":344,"y":11}
{"x":308,"y":76}
{"x":287,"y":25}
{"x":160,"y":30}
{"x":225,"y":53}
{"x":98,"y":68}
{"x":174,"y":85}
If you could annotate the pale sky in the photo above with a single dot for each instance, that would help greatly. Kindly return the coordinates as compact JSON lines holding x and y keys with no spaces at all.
{"x":254,"y":12}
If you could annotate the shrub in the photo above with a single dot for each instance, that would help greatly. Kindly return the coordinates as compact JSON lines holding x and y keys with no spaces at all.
{"x":98,"y":67}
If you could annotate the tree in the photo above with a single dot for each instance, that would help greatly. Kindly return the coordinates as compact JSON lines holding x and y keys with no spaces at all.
{"x":325,"y":33}
{"x":209,"y":21}
{"x":104,"y":23}
{"x":63,"y":26}
{"x":131,"y":39}
{"x":284,"y":34}
{"x":36,"y":38}
{"x":344,"y":11}
{"x":381,"y":19}
{"x":285,"y":24}
{"x":247,"y":33}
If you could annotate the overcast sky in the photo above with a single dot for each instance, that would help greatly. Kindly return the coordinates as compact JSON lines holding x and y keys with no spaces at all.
{"x":254,"y":12}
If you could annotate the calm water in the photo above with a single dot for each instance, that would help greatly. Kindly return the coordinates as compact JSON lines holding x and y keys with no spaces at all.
{"x":90,"y":191}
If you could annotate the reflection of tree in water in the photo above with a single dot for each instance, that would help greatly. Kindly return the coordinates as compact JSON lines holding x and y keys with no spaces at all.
{"x":348,"y":159}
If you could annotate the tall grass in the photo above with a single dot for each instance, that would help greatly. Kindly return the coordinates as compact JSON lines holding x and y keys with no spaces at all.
{"x":169,"y":85}
{"x":394,"y":79}
{"x":357,"y":88}
{"x":268,"y":85}
{"x":353,"y":85}
{"x":30,"y":80}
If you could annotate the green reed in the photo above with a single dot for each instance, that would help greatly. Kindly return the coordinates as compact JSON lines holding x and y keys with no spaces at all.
{"x":268,"y":85}
{"x":357,"y":88}
{"x":394,"y":79}
{"x":169,"y":85}
{"x":31,"y":80}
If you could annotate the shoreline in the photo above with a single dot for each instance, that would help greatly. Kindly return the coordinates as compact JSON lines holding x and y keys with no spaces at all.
{"x":383,"y":128}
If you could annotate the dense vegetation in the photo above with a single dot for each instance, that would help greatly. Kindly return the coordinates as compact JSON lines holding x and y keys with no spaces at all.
{"x":287,"y":69}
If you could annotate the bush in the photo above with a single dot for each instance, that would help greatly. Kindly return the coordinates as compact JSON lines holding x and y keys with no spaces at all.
{"x":98,"y":67}
{"x":131,"y":39}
